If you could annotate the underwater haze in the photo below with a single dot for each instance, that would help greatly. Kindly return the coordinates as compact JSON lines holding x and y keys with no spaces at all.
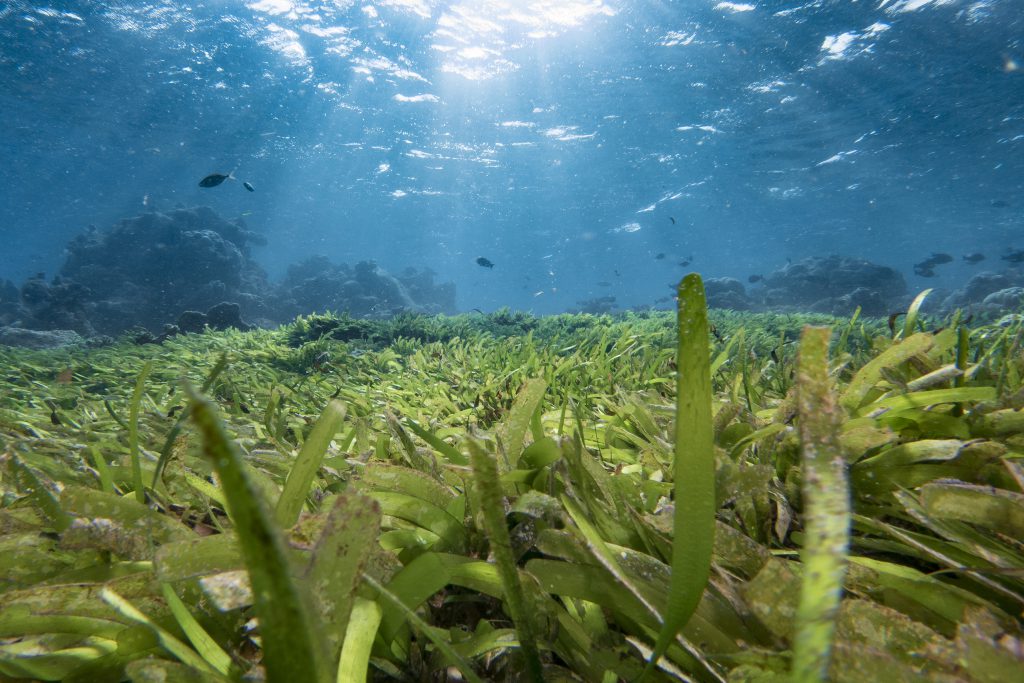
{"x":582,"y":148}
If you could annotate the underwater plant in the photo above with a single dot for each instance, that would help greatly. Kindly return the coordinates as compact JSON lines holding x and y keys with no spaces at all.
{"x":710,"y":496}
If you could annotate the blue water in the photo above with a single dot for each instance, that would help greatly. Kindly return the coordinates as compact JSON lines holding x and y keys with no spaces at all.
{"x":558,"y":138}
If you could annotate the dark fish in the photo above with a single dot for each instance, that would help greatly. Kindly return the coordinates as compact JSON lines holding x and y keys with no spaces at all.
{"x":660,"y":256}
{"x":1015,"y":256}
{"x":685,"y":262}
{"x":248,"y":186}
{"x":672,"y":219}
{"x":603,"y":283}
{"x":486,"y":263}
{"x":215,"y":179}
{"x":755,"y":278}
{"x":976,"y":257}
{"x":617,"y":273}
{"x":926,"y":268}
{"x":1000,"y":204}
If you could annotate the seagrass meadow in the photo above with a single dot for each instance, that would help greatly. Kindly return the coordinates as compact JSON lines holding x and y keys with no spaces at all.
{"x":652,"y":496}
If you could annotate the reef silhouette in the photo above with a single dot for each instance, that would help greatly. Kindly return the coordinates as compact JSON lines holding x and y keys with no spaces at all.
{"x":186,"y":269}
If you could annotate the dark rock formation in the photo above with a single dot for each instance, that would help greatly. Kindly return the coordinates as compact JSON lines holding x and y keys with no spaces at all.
{"x":837,"y":285}
{"x":223,"y":316}
{"x":150,"y":268}
{"x":975,"y":294}
{"x":316,"y":284}
{"x":57,"y":305}
{"x":430,"y":296}
{"x":156,"y":268}
{"x":597,"y":306}
{"x":10,"y":303}
{"x":1009,"y":299}
{"x":37,"y":339}
{"x":726,"y":292}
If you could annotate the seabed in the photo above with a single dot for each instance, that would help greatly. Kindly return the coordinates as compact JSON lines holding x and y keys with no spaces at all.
{"x":493,"y":497}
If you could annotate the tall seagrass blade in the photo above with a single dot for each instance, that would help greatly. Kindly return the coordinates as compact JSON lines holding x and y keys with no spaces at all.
{"x":293,"y":647}
{"x":694,"y":468}
{"x":826,"y":510}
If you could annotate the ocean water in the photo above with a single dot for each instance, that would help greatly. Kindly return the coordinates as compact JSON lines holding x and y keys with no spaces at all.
{"x":569,"y":142}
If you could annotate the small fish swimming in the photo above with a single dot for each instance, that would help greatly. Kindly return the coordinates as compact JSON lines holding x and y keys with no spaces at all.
{"x":672,"y":219}
{"x":485,"y":262}
{"x":976,"y":257}
{"x":755,"y":278}
{"x":660,"y":256}
{"x":1014,"y":256}
{"x":215,"y":179}
{"x":1000,"y":204}
{"x":926,"y":268}
{"x":604,"y":283}
{"x":248,"y":186}
{"x":685,"y":262}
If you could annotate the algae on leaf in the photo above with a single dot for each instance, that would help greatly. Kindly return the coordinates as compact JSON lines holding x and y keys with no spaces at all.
{"x":826,"y":510}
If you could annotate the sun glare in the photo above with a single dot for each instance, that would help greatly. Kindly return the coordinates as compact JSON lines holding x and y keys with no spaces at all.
{"x":475,"y":37}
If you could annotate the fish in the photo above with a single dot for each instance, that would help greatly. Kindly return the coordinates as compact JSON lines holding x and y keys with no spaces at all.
{"x":617,"y":273}
{"x":672,"y":219}
{"x":755,"y":278}
{"x":604,"y":283}
{"x":484,"y":262}
{"x":659,"y":256}
{"x":248,"y":186}
{"x":976,"y":257}
{"x":1000,"y":204}
{"x":685,"y":262}
{"x":926,"y":268}
{"x":215,"y":179}
{"x":1015,"y":256}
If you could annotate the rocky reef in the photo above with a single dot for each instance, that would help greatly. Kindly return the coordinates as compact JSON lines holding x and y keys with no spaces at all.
{"x":836,"y":285}
{"x":187,"y":269}
{"x":596,"y":306}
{"x":365,"y":290}
{"x":148,"y":269}
{"x":727,"y":292}
{"x":989,"y":293}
